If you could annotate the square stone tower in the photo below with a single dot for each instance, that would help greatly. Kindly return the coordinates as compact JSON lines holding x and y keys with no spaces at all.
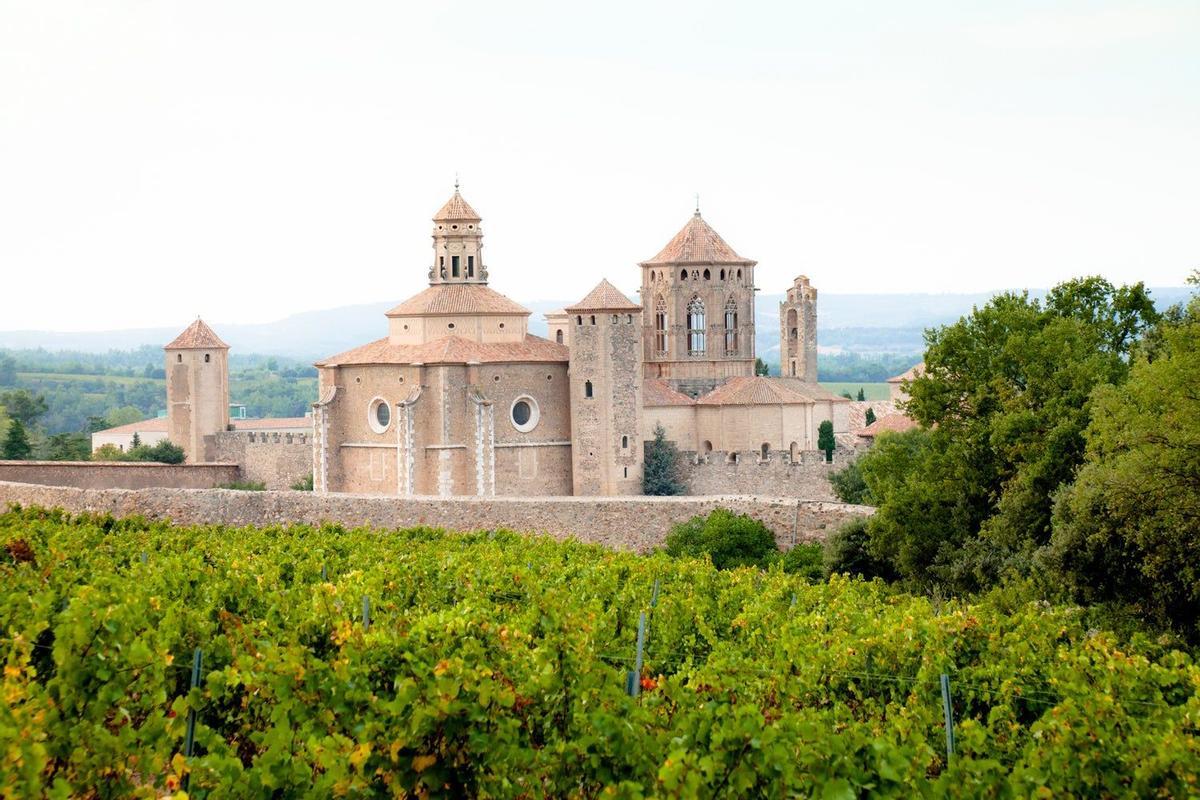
{"x":197,"y":366}
{"x":698,"y":325}
{"x":606,"y":393}
{"x":798,"y":331}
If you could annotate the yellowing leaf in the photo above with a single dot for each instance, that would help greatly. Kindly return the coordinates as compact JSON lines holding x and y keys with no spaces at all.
{"x":422,"y":763}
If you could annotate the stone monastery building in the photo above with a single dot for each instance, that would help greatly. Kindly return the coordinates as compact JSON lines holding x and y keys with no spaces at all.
{"x":459,"y":398}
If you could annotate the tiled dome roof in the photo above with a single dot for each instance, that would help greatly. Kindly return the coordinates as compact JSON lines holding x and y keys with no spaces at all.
{"x":698,"y":243}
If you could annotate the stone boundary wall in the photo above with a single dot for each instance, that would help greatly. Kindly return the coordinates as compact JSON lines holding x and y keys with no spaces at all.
{"x":634,"y":523}
{"x":118,"y":474}
{"x":807,"y":477}
{"x":275,"y":459}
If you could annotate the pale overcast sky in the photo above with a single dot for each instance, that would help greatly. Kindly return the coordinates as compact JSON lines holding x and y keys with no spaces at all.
{"x":246,"y":160}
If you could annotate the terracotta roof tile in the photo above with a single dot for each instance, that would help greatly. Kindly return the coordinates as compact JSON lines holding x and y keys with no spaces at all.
{"x":456,"y":209}
{"x":752,"y":391}
{"x":892,"y":423}
{"x":698,"y":243}
{"x":914,"y":372}
{"x":656,"y":392}
{"x":156,"y":425}
{"x":605,"y":297}
{"x":452,"y":350}
{"x":858,"y":411}
{"x":813,"y":391}
{"x":457,"y":298}
{"x":197,"y":336}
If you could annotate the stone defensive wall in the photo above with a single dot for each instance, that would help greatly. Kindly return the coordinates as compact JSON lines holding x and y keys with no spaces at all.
{"x":118,"y":474}
{"x":275,"y":459}
{"x":632,"y":523}
{"x":722,"y":472}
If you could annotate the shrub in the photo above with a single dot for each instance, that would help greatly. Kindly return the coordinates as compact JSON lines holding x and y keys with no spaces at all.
{"x":849,"y":486}
{"x":848,"y":551}
{"x":244,"y":486}
{"x":805,"y":560}
{"x":164,"y":452}
{"x":305,"y":484}
{"x":730,"y":540}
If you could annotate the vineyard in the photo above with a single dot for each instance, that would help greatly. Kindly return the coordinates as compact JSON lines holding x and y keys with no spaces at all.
{"x":416,"y":663}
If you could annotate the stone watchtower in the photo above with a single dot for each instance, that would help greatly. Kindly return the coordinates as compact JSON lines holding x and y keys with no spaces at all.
{"x":197,"y":366}
{"x":606,"y":393}
{"x":698,"y":325}
{"x":798,"y":332}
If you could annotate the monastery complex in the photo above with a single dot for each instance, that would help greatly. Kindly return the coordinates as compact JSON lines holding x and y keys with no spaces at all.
{"x":458,"y":398}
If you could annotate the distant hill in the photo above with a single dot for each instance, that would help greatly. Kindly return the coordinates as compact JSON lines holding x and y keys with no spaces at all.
{"x":847,"y":322}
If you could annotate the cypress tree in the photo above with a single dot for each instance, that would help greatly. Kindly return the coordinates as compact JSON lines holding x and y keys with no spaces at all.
{"x":825,"y":440}
{"x":870,"y":416}
{"x":660,"y":473}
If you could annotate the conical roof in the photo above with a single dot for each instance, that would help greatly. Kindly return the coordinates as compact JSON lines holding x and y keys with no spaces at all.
{"x":605,"y":297}
{"x":197,"y":336}
{"x":456,"y":208}
{"x":698,"y":243}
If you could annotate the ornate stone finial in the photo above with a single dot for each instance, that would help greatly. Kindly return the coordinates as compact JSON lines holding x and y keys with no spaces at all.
{"x":456,"y":183}
{"x":697,"y":204}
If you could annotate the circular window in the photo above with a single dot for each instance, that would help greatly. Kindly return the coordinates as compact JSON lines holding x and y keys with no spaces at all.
{"x":379,"y":415}
{"x":524,"y":413}
{"x":450,"y":325}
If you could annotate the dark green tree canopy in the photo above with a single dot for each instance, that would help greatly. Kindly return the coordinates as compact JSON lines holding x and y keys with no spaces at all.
{"x":660,"y":471}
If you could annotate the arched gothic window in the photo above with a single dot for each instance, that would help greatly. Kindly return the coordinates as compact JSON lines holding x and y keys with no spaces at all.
{"x":696,"y":328}
{"x":731,"y":327}
{"x":660,"y":327}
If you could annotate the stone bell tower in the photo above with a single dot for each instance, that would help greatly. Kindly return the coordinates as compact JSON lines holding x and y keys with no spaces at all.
{"x":698,"y":325}
{"x":798,"y":331}
{"x":606,"y":393}
{"x":197,"y":366}
{"x":457,"y":244}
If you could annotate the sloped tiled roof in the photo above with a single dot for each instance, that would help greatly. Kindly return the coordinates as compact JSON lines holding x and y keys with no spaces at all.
{"x":452,"y":350}
{"x":892,"y":423}
{"x":156,"y":425}
{"x":456,"y":209}
{"x":858,"y":411}
{"x":753,"y":391}
{"x":813,"y":391}
{"x":197,"y":336}
{"x":698,"y":243}
{"x":605,"y":297}
{"x":159,"y":425}
{"x":457,"y":298}
{"x":912,"y":373}
{"x":656,"y":392}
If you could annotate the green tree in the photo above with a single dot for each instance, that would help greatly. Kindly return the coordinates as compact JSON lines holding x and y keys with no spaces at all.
{"x":163,"y":452}
{"x":1127,"y":532}
{"x":660,"y":472}
{"x":67,"y":447}
{"x":760,"y":367}
{"x":869,"y":417}
{"x":8,"y":370}
{"x":825,"y":440}
{"x":124,"y":415}
{"x":135,"y":442}
{"x":730,"y":540}
{"x":16,"y":442}
{"x":862,"y":395}
{"x":1005,"y":398}
{"x":23,"y":406}
{"x":849,"y":486}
